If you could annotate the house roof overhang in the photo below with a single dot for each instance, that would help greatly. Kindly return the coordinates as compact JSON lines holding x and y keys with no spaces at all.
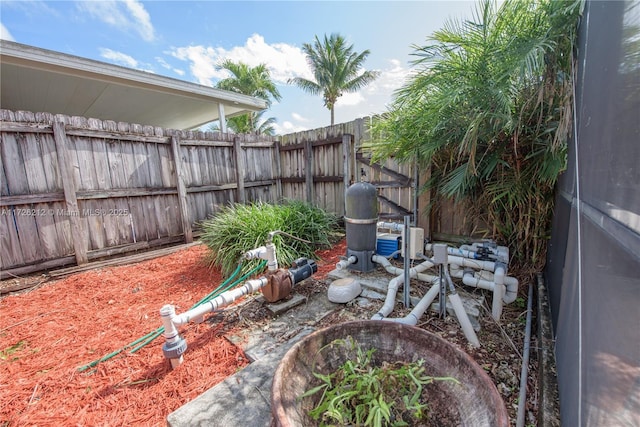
{"x":40,"y":80}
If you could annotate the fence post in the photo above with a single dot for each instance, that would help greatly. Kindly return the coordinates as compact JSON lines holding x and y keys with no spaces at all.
{"x":70,"y":197}
{"x":278,"y":167}
{"x":182,"y":190}
{"x":308,"y":166}
{"x":346,"y":161}
{"x":423,"y":212}
{"x":237,"y":148}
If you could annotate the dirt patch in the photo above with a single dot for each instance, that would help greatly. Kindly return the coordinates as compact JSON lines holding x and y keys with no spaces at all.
{"x":49,"y":332}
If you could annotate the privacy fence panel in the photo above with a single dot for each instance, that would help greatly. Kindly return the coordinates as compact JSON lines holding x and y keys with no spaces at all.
{"x":336,"y":160}
{"x":75,"y":189}
{"x":317,"y":165}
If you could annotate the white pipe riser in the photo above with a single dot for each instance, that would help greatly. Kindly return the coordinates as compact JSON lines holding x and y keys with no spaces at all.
{"x":498,"y":293}
{"x":167,"y":313}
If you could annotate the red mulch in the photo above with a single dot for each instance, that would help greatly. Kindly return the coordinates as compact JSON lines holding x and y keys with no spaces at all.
{"x":48,"y":333}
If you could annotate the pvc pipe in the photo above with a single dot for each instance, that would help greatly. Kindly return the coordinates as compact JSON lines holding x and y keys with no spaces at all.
{"x":463,"y":319}
{"x":497,"y":290}
{"x":394,"y":226}
{"x":425,"y":302}
{"x":510,"y":283}
{"x":464,"y":251}
{"x":461,"y":261}
{"x":391,"y":269}
{"x":344,"y":263}
{"x":511,"y":291}
{"x":267,"y":252}
{"x":406,"y":244}
{"x":525,"y":359}
{"x":171,"y":335}
{"x":223,"y":299}
{"x":419,"y":309}
{"x":394,"y":284}
{"x":498,"y":293}
{"x":477,"y":264}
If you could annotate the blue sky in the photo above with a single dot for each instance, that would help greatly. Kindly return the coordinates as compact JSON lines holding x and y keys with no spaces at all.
{"x":186,"y":39}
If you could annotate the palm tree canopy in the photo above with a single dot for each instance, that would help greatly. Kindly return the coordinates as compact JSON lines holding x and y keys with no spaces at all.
{"x":336,"y":68}
{"x":253,"y":81}
{"x":489,"y":110}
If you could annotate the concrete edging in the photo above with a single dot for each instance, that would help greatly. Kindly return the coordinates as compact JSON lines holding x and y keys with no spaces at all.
{"x":549,"y":401}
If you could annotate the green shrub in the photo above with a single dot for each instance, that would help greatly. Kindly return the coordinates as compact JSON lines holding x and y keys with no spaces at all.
{"x":239,"y":228}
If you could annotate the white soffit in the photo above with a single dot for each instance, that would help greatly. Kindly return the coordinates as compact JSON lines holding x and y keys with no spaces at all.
{"x":40,"y":80}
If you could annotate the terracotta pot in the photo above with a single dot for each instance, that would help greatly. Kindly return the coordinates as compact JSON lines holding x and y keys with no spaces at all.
{"x":476,"y":399}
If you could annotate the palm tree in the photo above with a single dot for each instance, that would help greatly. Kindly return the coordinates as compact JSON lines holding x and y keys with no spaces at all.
{"x":253,"y":81}
{"x":248,"y":123}
{"x":336,"y":69}
{"x":489,"y":111}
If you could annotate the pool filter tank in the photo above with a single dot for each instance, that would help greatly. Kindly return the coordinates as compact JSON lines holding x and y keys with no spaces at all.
{"x":361,"y":218}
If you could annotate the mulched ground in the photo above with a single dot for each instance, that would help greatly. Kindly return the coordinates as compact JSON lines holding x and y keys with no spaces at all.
{"x":47,"y":333}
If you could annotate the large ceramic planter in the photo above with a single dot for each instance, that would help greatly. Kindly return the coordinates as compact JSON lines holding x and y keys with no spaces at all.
{"x":476,"y":399}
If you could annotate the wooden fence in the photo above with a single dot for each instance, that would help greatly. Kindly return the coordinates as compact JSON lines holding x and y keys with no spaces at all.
{"x":334,"y":156}
{"x":74,"y":189}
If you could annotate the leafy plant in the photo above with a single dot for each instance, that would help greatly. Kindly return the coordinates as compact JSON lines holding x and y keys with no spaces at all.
{"x":239,"y":228}
{"x":489,"y":111}
{"x":253,"y":81}
{"x":359,"y":393}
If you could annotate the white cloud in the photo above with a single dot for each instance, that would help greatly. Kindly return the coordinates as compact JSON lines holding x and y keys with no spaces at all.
{"x":128,"y":15}
{"x":168,"y":66}
{"x":287,"y":127}
{"x":299,"y":118}
{"x":390,"y":79}
{"x":349,"y":99}
{"x":202,"y":62}
{"x":142,"y":18}
{"x":119,"y":58}
{"x":5,"y":34}
{"x":123,"y":59}
{"x":283,"y":60}
{"x":31,"y":8}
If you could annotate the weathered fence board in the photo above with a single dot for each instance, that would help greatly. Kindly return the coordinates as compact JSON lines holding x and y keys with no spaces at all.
{"x":74,"y":189}
{"x":77,"y":188}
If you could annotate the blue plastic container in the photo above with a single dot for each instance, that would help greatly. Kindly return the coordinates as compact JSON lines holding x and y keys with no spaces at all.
{"x":387,"y":244}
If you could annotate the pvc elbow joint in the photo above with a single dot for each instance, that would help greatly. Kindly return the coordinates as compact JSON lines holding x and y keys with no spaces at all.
{"x":344,"y":263}
{"x":260,"y":252}
{"x":377,"y":316}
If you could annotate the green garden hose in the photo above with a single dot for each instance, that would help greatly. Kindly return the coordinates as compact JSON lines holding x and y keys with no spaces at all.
{"x":149,"y":337}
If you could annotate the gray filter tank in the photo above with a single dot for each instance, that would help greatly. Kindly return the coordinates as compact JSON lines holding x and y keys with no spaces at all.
{"x":361,"y":218}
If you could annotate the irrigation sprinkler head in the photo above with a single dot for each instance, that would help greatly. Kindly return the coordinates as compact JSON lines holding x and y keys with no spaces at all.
{"x":175,"y":345}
